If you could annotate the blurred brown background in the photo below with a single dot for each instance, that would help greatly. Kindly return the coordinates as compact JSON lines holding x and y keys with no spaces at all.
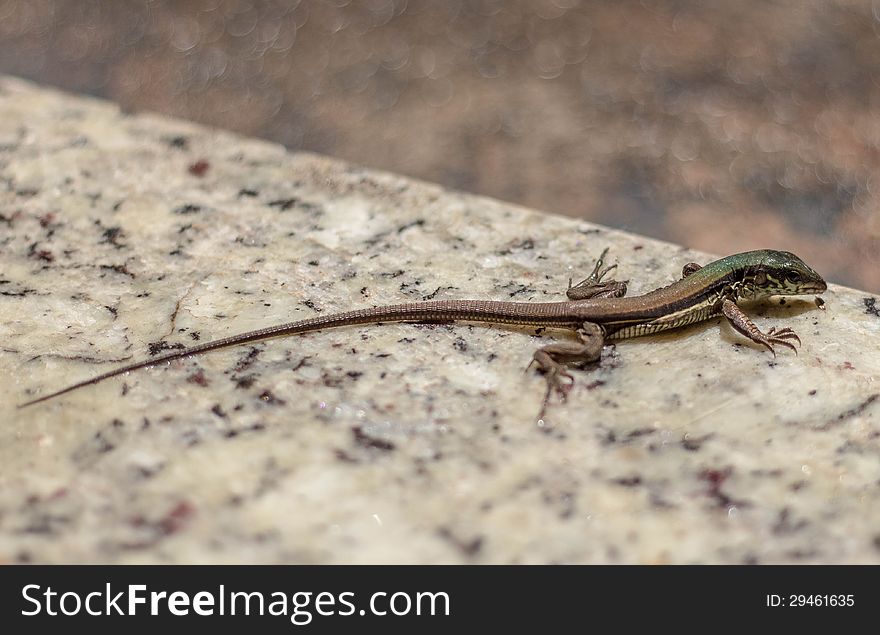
{"x":723,"y":126}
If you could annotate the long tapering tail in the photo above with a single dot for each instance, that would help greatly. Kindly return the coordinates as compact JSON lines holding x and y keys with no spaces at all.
{"x":496,"y":312}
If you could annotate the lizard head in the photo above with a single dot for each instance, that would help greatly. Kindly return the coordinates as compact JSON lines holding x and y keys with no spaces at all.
{"x":778,"y":273}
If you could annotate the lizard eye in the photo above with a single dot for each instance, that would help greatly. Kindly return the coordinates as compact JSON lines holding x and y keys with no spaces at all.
{"x":760,"y":278}
{"x":793,"y":276}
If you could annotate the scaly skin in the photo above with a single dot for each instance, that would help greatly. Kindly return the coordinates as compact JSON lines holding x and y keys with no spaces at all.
{"x":596,"y":311}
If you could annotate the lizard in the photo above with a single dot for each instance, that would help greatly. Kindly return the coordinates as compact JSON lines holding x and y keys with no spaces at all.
{"x":596,"y":311}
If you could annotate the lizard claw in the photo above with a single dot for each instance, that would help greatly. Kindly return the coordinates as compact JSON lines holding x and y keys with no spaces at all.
{"x":742,"y":324}
{"x":554,"y":383}
{"x":780,"y":338}
{"x":559,"y":380}
{"x":785,"y":333}
{"x":592,"y":286}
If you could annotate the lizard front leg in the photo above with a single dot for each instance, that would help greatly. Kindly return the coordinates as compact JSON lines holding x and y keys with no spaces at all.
{"x":593,"y":287}
{"x":553,"y":358}
{"x":741,"y":322}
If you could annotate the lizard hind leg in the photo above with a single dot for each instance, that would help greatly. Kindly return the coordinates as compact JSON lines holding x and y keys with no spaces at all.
{"x":553,"y":359}
{"x":593,"y":287}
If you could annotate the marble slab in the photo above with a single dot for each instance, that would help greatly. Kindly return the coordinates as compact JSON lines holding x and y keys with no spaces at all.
{"x":121,"y":235}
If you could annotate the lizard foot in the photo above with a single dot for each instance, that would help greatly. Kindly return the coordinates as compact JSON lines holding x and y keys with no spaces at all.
{"x":593,"y":287}
{"x":780,"y":338}
{"x":551,"y":360}
{"x":742,"y":324}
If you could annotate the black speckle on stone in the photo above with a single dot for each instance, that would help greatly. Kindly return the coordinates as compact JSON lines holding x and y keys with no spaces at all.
{"x":247,"y":361}
{"x":344,"y":457}
{"x":267,"y":397}
{"x":693,"y":444}
{"x":112,"y":236}
{"x":179,"y":142}
{"x":367,"y":441}
{"x":244,"y":192}
{"x":469,"y":548}
{"x":234,"y":432}
{"x":871,"y":307}
{"x":189,"y":208}
{"x":659,"y":502}
{"x":522,"y":245}
{"x":640,"y":432}
{"x":102,"y":445}
{"x":245,"y":382}
{"x":302,"y":362}
{"x":609,"y":437}
{"x":375,"y":239}
{"x":628,"y":481}
{"x":785,"y":525}
{"x":283,"y":204}
{"x":432,"y":295}
{"x":198,"y":378}
{"x":147,"y":472}
{"x":520,"y":289}
{"x":715,"y":478}
{"x":801,"y":554}
{"x":416,"y":223}
{"x":43,"y":255}
{"x":121,"y":269}
{"x":157,"y":347}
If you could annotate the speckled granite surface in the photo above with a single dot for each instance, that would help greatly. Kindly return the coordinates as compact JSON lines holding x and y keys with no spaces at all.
{"x":398,"y":443}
